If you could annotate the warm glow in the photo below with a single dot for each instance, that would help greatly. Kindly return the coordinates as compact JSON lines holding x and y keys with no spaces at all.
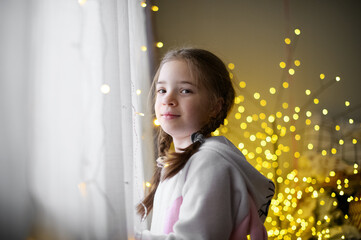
{"x":272,"y":90}
{"x":143,"y":48}
{"x":297,"y":31}
{"x":155,"y":8}
{"x":308,"y":92}
{"x":285,"y":84}
{"x":347,"y":103}
{"x":291,"y":71}
{"x":156,"y":122}
{"x":287,"y":41}
{"x":256,"y":95}
{"x":231,"y":66}
{"x":242,"y":84}
{"x":105,"y":89}
{"x":82,"y":2}
{"x":282,"y":64}
{"x":297,"y":63}
{"x":159,"y":44}
{"x":322,"y":76}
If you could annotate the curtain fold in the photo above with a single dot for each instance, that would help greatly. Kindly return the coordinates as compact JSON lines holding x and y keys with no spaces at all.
{"x":80,"y":94}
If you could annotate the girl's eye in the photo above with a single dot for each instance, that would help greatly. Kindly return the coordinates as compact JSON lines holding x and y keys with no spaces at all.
{"x":186,"y":91}
{"x":160,"y":91}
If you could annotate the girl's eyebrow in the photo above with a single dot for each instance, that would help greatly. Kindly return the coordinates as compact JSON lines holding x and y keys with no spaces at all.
{"x":181,"y":82}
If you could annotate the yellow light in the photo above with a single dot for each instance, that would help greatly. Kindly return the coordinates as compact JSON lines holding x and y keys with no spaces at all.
{"x":83,"y":189}
{"x":287,"y":41}
{"x":284,"y":105}
{"x":350,"y":121}
{"x":297,"y":63}
{"x":333,"y":151}
{"x":298,"y":137}
{"x":241,"y":109}
{"x":225,"y":122}
{"x":291,"y":71}
{"x":249,"y":119}
{"x":138,"y":92}
{"x":297,"y":31}
{"x":242,"y":84}
{"x":271,"y":118}
{"x":308,"y":121}
{"x":295,"y":116}
{"x":278,"y":114}
{"x":332,"y":173}
{"x":316,"y":101}
{"x":216,"y":133}
{"x":238,"y":116}
{"x":297,"y":154}
{"x":252,"y":138}
{"x":316,"y":127}
{"x":155,"y":8}
{"x":156,"y":122}
{"x":147,"y":184}
{"x":263,"y":102}
{"x":105,"y":89}
{"x":262,"y":116}
{"x":285,"y":84}
{"x":322,"y":76}
{"x":324,"y":152}
{"x":143,"y":48}
{"x":231,"y":66}
{"x":159,"y":44}
{"x":308,"y":92}
{"x":286,"y":118}
{"x":308,"y":113}
{"x":324,"y":111}
{"x":241,"y":145}
{"x":338,"y":79}
{"x":341,"y":142}
{"x":245,"y":151}
{"x":256,"y":95}
{"x":82,"y":2}
{"x":243,"y":125}
{"x":282,"y":64}
{"x":297,"y":109}
{"x":292,"y":128}
{"x":354,"y":141}
{"x":347,"y":103}
{"x":272,"y":90}
{"x":337,"y":128}
{"x":143,"y":4}
{"x":231,"y":75}
{"x":310,"y":146}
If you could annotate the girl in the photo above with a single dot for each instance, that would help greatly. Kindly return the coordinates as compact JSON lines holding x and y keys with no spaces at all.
{"x":203,"y":187}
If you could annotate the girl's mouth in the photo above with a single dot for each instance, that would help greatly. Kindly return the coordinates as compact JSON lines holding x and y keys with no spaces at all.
{"x":170,"y":116}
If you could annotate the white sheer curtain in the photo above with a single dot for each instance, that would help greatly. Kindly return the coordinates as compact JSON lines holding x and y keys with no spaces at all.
{"x":74,"y":124}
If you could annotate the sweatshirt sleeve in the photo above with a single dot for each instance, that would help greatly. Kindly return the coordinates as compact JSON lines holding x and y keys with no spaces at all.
{"x":208,"y":202}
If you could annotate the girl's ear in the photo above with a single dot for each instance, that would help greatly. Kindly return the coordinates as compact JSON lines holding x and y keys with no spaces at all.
{"x":217,"y":107}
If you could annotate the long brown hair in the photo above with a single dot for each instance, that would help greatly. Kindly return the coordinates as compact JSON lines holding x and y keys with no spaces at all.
{"x":209,"y":71}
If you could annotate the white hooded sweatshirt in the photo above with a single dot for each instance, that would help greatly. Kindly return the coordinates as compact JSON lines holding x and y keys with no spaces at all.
{"x":217,"y":195}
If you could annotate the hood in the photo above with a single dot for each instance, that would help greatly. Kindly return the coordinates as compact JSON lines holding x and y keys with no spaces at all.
{"x":260,"y":188}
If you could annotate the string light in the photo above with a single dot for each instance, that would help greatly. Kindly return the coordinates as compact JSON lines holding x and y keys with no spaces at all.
{"x":160,"y":44}
{"x":82,"y":2}
{"x":105,"y":89}
{"x":155,"y":8}
{"x":231,"y":66}
{"x":242,"y":84}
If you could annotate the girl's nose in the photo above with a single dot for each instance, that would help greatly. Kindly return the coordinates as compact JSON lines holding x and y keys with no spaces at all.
{"x":170,"y":99}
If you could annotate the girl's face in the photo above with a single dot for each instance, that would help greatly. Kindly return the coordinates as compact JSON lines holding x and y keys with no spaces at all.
{"x":182,"y":107}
